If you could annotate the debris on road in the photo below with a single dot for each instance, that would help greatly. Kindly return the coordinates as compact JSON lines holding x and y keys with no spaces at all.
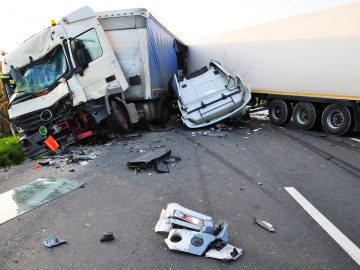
{"x":46,"y":162}
{"x":76,"y":156}
{"x":25,"y":198}
{"x":172,"y":160}
{"x":132,"y":136}
{"x":215,"y":134}
{"x":264,"y":224}
{"x":195,"y":233}
{"x":53,"y":241}
{"x":149,"y":159}
{"x":162,"y":167}
{"x":107,"y":237}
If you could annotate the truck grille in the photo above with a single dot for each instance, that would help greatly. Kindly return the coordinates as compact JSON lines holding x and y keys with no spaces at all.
{"x":30,"y":123}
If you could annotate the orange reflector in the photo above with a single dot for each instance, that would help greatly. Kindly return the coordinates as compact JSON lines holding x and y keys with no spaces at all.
{"x":52,"y":143}
{"x":52,"y":22}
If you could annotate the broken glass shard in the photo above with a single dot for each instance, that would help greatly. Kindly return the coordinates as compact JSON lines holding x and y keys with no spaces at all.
{"x":25,"y":198}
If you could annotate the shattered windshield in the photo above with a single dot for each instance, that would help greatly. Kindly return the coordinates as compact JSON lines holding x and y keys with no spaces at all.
{"x":41,"y":74}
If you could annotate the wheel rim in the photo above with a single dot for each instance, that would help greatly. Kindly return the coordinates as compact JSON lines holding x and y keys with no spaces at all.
{"x":335,"y":119}
{"x":277,"y":112}
{"x":303,"y":116}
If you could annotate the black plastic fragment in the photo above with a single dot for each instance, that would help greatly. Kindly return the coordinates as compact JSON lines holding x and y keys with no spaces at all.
{"x":107,"y":237}
{"x":149,"y":159}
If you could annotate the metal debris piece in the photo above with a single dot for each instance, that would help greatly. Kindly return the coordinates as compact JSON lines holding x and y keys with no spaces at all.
{"x":149,"y":159}
{"x":178,"y":215}
{"x":215,"y":134}
{"x":131,"y":136}
{"x":189,"y":241}
{"x":266,"y":225}
{"x":107,"y":237}
{"x":53,"y":241}
{"x":195,"y":233}
{"x":227,"y":253}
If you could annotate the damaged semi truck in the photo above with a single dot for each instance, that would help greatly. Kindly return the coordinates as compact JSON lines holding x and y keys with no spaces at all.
{"x":305,"y":68}
{"x":88,"y":73}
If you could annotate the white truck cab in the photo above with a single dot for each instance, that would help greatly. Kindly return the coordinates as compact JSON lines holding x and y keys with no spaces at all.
{"x":68,"y":82}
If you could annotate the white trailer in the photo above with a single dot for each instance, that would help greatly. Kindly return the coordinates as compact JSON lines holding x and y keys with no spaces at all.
{"x":307,"y":66}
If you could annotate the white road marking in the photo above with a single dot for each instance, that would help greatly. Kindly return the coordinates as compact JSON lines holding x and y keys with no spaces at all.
{"x":357,"y":140}
{"x":330,"y":228}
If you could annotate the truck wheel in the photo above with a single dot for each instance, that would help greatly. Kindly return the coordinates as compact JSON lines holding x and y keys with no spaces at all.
{"x":336,"y":119}
{"x":117,"y":121}
{"x":305,"y":115}
{"x":163,"y":110}
{"x":280,"y":112}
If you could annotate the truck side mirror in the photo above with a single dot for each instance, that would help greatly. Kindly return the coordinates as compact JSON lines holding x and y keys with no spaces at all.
{"x":80,"y":56}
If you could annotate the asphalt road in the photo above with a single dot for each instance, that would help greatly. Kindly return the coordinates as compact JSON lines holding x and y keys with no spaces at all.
{"x":234,"y":179}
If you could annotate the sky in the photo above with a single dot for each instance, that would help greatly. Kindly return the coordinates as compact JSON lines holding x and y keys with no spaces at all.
{"x":189,"y":20}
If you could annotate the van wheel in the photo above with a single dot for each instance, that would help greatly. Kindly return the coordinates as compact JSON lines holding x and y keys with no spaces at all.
{"x":305,"y":115}
{"x":117,"y":121}
{"x":336,"y":119}
{"x":280,"y":112}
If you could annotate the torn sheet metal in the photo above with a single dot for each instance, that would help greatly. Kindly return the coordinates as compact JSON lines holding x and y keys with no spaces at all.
{"x":266,"y":225}
{"x":149,"y":159}
{"x":178,"y":215}
{"x":208,"y":96}
{"x":195,"y":233}
{"x":53,"y":241}
{"x":25,"y":198}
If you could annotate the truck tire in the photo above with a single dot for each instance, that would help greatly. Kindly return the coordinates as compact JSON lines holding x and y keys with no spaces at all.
{"x":163,"y":110}
{"x":305,"y":115}
{"x":117,"y":120}
{"x":280,"y":112}
{"x":336,"y":119}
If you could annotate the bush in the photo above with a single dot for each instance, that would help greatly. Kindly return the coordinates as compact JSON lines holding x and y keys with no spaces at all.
{"x":10,"y":152}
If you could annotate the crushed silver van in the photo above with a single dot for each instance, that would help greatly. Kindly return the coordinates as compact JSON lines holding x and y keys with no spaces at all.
{"x":210,"y":95}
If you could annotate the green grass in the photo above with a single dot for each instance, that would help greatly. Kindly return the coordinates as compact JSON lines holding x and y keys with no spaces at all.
{"x":10,"y":152}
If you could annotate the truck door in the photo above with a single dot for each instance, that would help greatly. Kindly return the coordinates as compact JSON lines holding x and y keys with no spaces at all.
{"x":97,"y":67}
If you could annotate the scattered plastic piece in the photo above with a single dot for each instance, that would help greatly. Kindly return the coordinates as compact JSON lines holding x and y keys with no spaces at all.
{"x":266,"y":225}
{"x":53,"y":241}
{"x":107,"y":237}
{"x":52,"y":143}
